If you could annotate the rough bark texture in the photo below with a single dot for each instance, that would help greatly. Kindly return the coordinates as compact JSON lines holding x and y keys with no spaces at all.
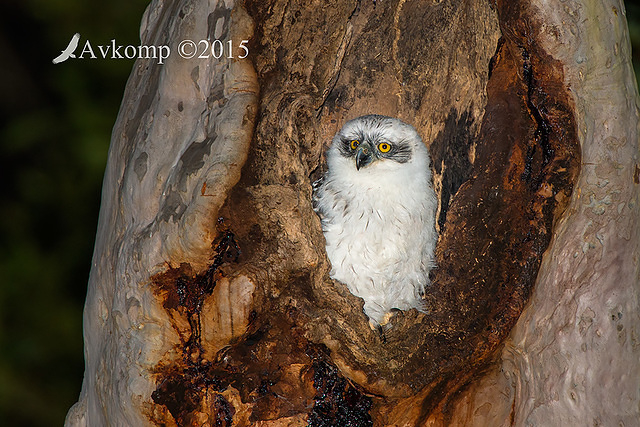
{"x":209,"y":300}
{"x":574,"y":356}
{"x":179,"y":143}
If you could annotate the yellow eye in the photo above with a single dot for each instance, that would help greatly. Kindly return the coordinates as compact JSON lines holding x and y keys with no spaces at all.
{"x":354,"y":144}
{"x":384,"y":147}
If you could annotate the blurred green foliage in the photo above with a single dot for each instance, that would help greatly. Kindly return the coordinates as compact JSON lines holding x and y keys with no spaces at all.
{"x":54,"y":135}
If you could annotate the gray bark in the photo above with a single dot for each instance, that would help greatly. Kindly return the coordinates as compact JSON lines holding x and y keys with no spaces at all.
{"x":183,"y":135}
{"x":181,"y":138}
{"x":573,"y":358}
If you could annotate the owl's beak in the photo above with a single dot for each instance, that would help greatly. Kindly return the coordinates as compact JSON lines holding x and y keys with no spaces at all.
{"x":363,"y":155}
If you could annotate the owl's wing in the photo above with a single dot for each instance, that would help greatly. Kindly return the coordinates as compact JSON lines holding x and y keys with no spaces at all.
{"x":318,"y":190}
{"x":317,"y":184}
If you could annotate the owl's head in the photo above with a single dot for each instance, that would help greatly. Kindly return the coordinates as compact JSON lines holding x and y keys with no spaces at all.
{"x":379,"y":142}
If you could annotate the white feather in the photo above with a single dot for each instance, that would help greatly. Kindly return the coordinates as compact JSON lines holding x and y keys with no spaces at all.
{"x":379,"y":221}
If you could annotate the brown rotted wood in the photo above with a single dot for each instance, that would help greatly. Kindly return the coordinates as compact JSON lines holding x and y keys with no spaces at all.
{"x":505,"y":162}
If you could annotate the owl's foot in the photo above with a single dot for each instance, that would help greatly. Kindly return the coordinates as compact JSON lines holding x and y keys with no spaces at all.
{"x":387,"y":317}
{"x":375,"y":326}
{"x":384,"y":322}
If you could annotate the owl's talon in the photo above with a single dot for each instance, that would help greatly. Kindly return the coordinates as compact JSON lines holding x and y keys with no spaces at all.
{"x":387,"y":317}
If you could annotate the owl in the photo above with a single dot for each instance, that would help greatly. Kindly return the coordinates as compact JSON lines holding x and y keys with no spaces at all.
{"x":377,"y":208}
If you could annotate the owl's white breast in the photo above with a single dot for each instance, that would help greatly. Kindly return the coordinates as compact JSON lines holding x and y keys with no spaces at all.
{"x":379,"y":228}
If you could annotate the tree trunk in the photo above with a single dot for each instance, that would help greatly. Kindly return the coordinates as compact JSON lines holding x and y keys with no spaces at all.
{"x":209,"y":299}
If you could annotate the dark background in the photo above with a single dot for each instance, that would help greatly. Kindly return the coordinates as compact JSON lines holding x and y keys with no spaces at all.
{"x":55,"y":128}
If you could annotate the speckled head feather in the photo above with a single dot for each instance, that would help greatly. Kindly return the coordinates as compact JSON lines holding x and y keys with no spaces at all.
{"x":377,"y":207}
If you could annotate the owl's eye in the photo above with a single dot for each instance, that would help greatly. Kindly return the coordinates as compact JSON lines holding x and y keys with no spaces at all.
{"x":354,"y":144}
{"x":384,"y":147}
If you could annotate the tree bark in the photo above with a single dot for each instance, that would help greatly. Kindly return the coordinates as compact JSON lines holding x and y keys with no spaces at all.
{"x":209,"y":299}
{"x":572,"y":358}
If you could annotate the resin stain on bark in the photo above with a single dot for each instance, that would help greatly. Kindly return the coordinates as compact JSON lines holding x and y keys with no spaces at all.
{"x":337,"y":401}
{"x":500,"y":222}
{"x":182,"y":387}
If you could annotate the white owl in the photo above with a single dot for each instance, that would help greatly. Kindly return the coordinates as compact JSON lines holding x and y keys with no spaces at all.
{"x":377,"y":208}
